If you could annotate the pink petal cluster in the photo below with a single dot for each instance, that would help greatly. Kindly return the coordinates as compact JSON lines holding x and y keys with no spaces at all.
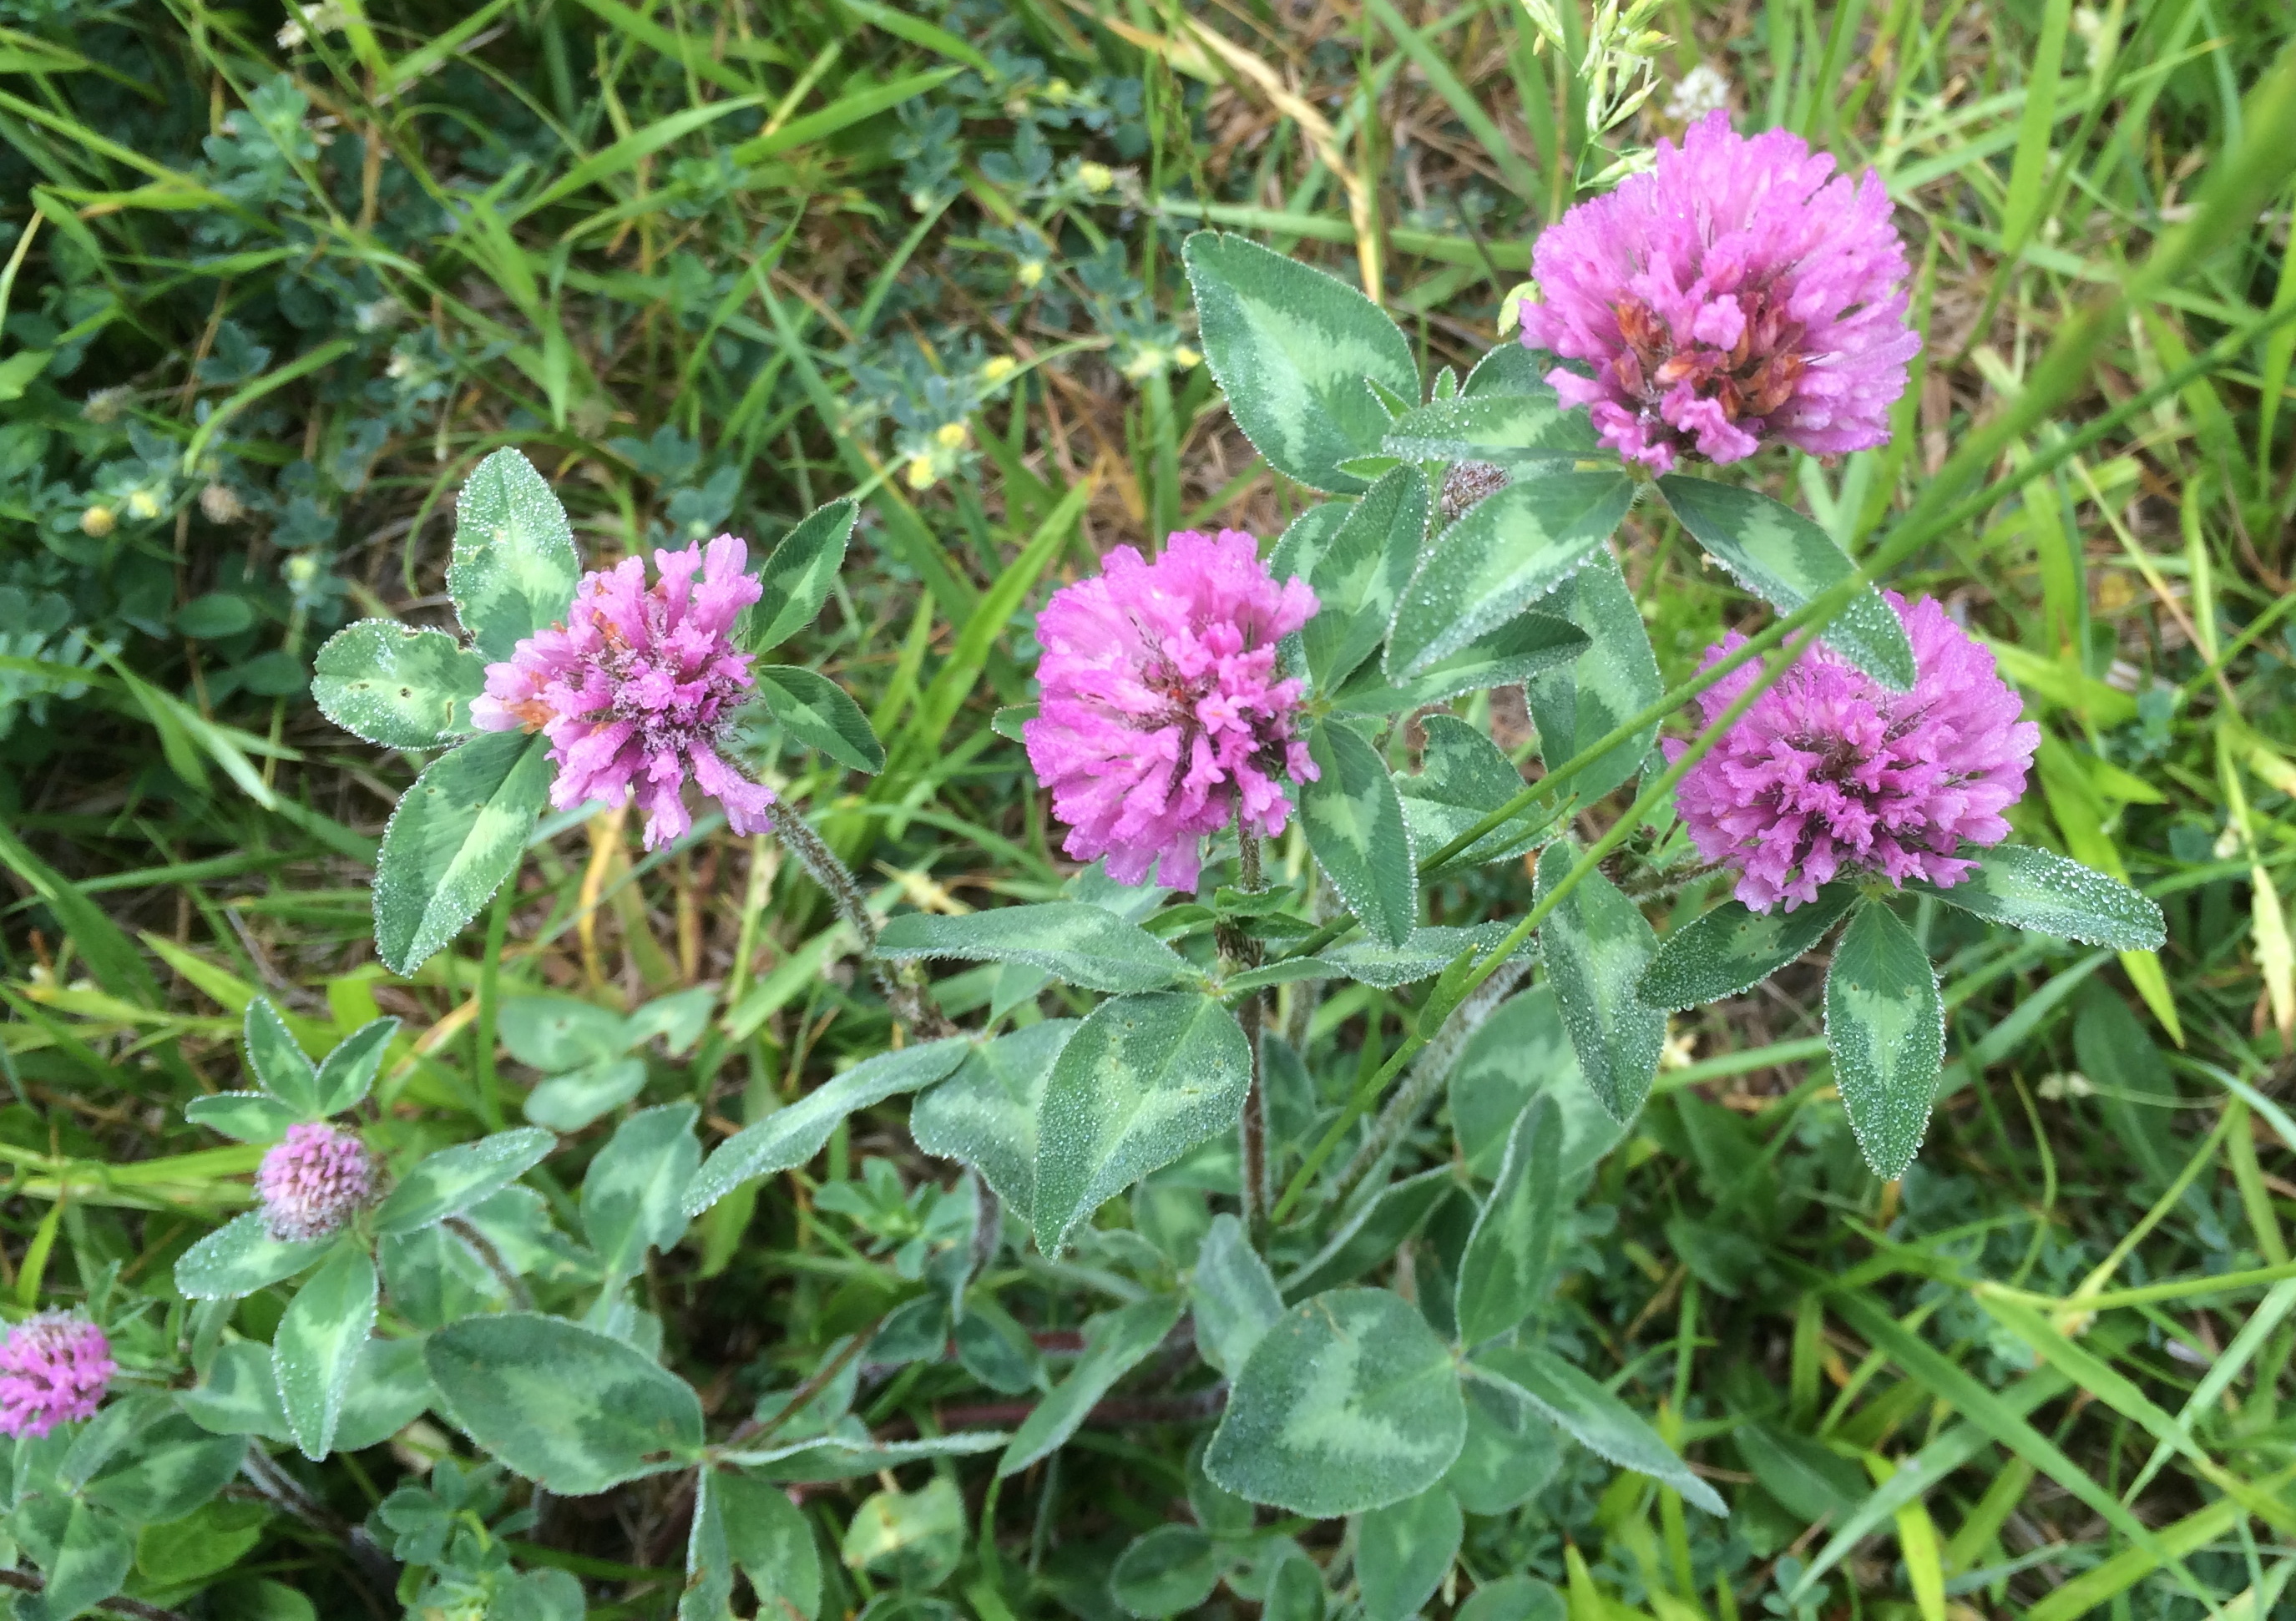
{"x":1734,"y":294}
{"x":1830,"y":771}
{"x":313,"y":1182}
{"x":632,"y":688}
{"x":53,"y":1368}
{"x":1162,"y":714}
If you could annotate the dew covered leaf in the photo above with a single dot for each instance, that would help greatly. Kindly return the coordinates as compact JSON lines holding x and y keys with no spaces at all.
{"x":1885,"y":1024}
{"x":1563,"y":1395}
{"x":1614,"y":679}
{"x":1347,"y":1403}
{"x":514,"y":569}
{"x":1463,"y":777}
{"x":458,"y":832}
{"x":1511,"y":549}
{"x":1143,"y":1080}
{"x":1733,"y":948}
{"x":795,"y":1133}
{"x":397,"y":687}
{"x":1085,"y":944}
{"x":1291,"y":347}
{"x":2026,"y":887}
{"x":1353,"y":818}
{"x":985,"y":1113}
{"x":1786,"y":560}
{"x":1596,"y":944}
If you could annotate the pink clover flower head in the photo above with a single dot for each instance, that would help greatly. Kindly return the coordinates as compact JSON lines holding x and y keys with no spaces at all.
{"x":632,"y":687}
{"x":53,"y":1369}
{"x":1830,"y":772}
{"x":313,"y":1182}
{"x":1163,"y":717}
{"x":1738,"y":293}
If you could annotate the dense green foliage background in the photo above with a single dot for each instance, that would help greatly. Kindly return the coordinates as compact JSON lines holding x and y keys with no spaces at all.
{"x":272,"y":284}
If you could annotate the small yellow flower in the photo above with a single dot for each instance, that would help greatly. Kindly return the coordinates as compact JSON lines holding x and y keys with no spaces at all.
{"x":1031,"y":272}
{"x":950,"y":435}
{"x":1095,"y":176}
{"x":97,"y":522}
{"x":1186,"y":357}
{"x":999,"y":368}
{"x":143,"y":504}
{"x":919,"y":472}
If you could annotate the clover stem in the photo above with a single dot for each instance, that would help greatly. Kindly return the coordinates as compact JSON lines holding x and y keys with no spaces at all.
{"x":1251,"y":1129}
{"x":911,"y":1003}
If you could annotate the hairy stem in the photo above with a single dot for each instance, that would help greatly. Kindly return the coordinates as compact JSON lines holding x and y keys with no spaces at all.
{"x":1252,"y":1180}
{"x":911,"y":1003}
{"x":1427,"y":1073}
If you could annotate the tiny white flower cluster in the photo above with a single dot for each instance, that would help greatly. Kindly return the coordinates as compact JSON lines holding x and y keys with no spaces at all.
{"x":1704,"y":89}
{"x":313,"y":21}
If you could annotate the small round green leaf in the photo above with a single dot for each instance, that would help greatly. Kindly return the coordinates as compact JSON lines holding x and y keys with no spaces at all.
{"x":397,"y":687}
{"x":1165,"y":1571}
{"x":1403,"y":1552}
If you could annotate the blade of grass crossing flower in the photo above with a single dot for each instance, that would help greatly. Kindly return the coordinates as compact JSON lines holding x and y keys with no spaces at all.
{"x":1655,"y":792}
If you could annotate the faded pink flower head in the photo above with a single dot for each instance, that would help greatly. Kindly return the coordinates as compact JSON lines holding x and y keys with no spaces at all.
{"x":53,"y":1368}
{"x":1732,"y":295}
{"x":1162,"y":716}
{"x":1831,"y":771}
{"x":631,"y":689}
{"x":313,"y":1182}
